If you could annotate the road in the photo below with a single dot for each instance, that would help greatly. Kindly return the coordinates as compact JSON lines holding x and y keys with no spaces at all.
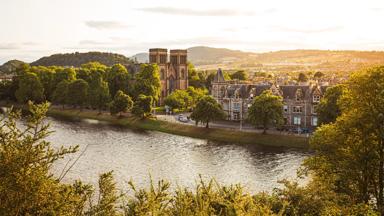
{"x":230,"y":125}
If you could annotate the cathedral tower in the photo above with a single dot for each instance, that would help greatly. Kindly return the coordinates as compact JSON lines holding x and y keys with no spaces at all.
{"x":178,"y":60}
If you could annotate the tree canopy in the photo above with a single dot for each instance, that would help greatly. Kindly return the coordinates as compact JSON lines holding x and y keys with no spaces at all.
{"x":266,"y":109}
{"x":207,"y":109}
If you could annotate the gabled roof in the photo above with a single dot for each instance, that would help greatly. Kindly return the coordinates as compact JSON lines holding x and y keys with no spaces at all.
{"x":219,"y":77}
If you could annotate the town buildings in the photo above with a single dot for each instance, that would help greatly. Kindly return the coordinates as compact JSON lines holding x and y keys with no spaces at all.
{"x":173,"y":73}
{"x":299,"y":101}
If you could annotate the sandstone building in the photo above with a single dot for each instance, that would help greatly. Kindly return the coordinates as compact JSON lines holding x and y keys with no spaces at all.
{"x":173,"y":73}
{"x":299,"y":101}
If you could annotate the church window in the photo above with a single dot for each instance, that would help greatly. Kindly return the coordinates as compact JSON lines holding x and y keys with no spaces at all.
{"x":162,"y":74}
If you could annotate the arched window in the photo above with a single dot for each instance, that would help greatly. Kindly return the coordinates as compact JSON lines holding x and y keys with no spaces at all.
{"x":162,"y":73}
{"x":182,"y":73}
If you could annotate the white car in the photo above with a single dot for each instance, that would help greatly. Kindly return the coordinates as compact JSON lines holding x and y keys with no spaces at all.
{"x":182,"y":118}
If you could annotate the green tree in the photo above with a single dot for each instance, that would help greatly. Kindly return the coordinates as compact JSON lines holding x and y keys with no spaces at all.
{"x":64,"y":74}
{"x":178,"y":99}
{"x":148,"y":81}
{"x":60,"y":95}
{"x":302,"y":77}
{"x":47,"y":78}
{"x":196,"y":94}
{"x":26,"y":185}
{"x":328,"y":109}
{"x":266,"y":109}
{"x":239,"y":75}
{"x":118,"y":79}
{"x":78,"y":93}
{"x":318,"y":75}
{"x":121,"y":103}
{"x":99,"y":96}
{"x":143,"y":106}
{"x":207,"y":109}
{"x":30,"y":88}
{"x":349,"y":153}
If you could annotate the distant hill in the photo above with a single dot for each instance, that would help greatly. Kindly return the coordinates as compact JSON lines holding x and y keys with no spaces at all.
{"x":209,"y":58}
{"x":77,"y":59}
{"x":202,"y":55}
{"x":10,"y":66}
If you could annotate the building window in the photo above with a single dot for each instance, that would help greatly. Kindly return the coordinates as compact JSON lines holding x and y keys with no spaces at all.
{"x":299,"y":94}
{"x":314,"y":108}
{"x":162,"y":74}
{"x":174,"y":59}
{"x":297,"y":109}
{"x":297,"y":120}
{"x":316,"y":98}
{"x":314,"y":121}
{"x":236,"y":106}
{"x":182,"y":74}
{"x":285,"y":108}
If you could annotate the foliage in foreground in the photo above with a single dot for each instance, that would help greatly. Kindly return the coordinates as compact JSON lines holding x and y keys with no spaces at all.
{"x":28,"y":188}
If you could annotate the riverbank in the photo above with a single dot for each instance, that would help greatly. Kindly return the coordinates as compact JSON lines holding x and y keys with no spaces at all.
{"x":213,"y":134}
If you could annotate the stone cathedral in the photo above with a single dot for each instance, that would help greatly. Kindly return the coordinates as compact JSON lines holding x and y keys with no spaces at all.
{"x":173,"y":73}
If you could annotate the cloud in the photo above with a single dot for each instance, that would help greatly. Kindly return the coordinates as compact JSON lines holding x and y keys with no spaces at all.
{"x":101,"y":25}
{"x":309,"y":30}
{"x":9,"y":46}
{"x":192,"y":12}
{"x":93,"y":42}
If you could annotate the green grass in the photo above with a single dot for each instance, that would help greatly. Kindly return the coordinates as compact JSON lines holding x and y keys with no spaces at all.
{"x":214,"y":134}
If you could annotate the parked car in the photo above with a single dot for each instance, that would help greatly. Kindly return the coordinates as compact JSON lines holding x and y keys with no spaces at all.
{"x":182,"y":118}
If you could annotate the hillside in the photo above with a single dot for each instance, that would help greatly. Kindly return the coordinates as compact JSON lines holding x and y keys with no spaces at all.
{"x":10,"y":66}
{"x":77,"y":59}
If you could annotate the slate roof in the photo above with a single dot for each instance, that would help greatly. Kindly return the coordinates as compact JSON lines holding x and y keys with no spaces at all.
{"x":219,"y":77}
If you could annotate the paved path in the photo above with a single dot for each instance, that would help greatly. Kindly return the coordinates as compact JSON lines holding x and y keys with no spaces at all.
{"x":231,"y":125}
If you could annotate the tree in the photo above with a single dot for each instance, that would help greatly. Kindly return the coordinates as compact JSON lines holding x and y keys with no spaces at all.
{"x":148,"y":81}
{"x":178,"y":99}
{"x":207,"y":109}
{"x":121,"y":103}
{"x":349,"y":153}
{"x":60,"y":95}
{"x":99,"y":95}
{"x":143,"y":105}
{"x":302,"y":77}
{"x":64,"y":74}
{"x":78,"y":93}
{"x":318,"y":75}
{"x":266,"y":109}
{"x":47,"y":79}
{"x":26,"y":184}
{"x":196,"y":94}
{"x":118,"y":79}
{"x":30,"y":88}
{"x":239,"y":75}
{"x":328,"y":109}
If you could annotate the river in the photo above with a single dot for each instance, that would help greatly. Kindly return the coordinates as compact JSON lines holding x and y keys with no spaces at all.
{"x":138,"y":155}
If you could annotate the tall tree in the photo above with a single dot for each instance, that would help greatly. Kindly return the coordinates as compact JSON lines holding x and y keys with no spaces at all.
{"x":178,"y":99}
{"x":118,"y":79}
{"x":47,"y":78}
{"x":143,"y":106}
{"x":60,"y":95}
{"x":349,"y":153}
{"x":121,"y":103}
{"x":329,"y":109}
{"x":78,"y":93}
{"x":196,"y":94}
{"x":207,"y":109}
{"x":98,"y":95}
{"x":148,"y":81}
{"x":30,"y":88}
{"x":266,"y":109}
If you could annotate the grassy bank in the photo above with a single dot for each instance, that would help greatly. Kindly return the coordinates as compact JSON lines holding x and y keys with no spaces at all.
{"x":214,"y":134}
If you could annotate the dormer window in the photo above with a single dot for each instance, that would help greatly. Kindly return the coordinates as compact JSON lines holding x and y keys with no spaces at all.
{"x":316,"y":98}
{"x":299,"y":95}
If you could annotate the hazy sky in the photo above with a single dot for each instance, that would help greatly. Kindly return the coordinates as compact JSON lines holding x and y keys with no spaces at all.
{"x":34,"y":28}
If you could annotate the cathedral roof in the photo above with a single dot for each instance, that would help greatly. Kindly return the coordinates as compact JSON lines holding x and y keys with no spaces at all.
{"x":219,"y":77}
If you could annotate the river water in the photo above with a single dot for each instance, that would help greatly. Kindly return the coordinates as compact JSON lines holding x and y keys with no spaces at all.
{"x":138,"y":155}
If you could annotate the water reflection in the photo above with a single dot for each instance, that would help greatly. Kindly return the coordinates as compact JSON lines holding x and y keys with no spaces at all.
{"x":179,"y":159}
